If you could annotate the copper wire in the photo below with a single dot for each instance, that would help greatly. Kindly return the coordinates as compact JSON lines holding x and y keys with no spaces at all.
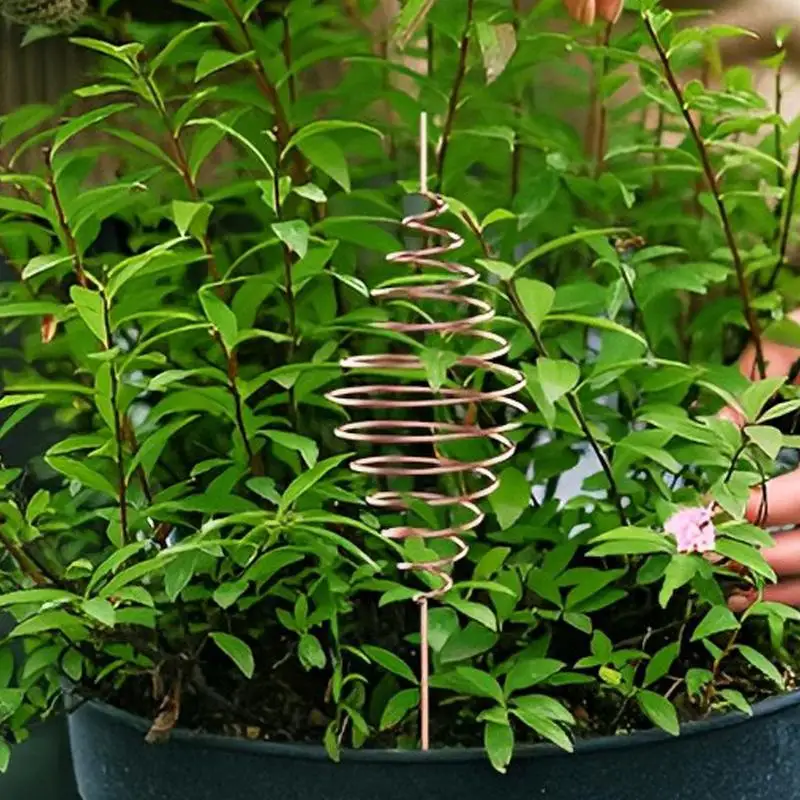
{"x":445,"y":287}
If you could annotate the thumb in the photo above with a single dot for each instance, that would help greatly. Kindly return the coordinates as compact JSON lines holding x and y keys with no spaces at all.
{"x":583,"y":11}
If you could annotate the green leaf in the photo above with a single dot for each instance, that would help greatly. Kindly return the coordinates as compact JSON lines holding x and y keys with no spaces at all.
{"x":75,"y":126}
{"x":300,"y":485}
{"x":101,"y":610}
{"x":757,"y":395}
{"x":191,"y":218}
{"x":598,"y":322}
{"x":82,"y":473}
{"x":511,"y":498}
{"x":659,"y":711}
{"x":307,"y":448}
{"x":10,"y":702}
{"x":536,"y":299}
{"x":398,"y":706}
{"x":238,"y":651}
{"x":458,"y":644}
{"x":545,"y":727}
{"x":437,"y":363}
{"x":545,"y":706}
{"x":226,"y":594}
{"x":762,"y":664}
{"x":737,"y":700}
{"x":769,"y":439}
{"x":497,"y":43}
{"x":482,"y":683}
{"x":5,"y":757}
{"x":411,"y":19}
{"x":503,"y":270}
{"x":23,"y":119}
{"x":328,"y":126}
{"x":746,"y":555}
{"x":530,"y":672}
{"x":176,"y":42}
{"x":680,"y":570}
{"x":328,"y":157}
{"x":209,"y":121}
{"x":40,"y":264}
{"x":221,"y":317}
{"x":565,"y":241}
{"x":270,"y":563}
{"x":717,"y":620}
{"x":92,"y":311}
{"x":35,"y":597}
{"x":153,"y":446}
{"x":557,"y":377}
{"x":310,"y":651}
{"x":215,"y":60}
{"x":294,"y":234}
{"x":498,"y":741}
{"x":477,"y":611}
{"x":391,"y":662}
{"x":40,"y":308}
{"x":661,"y":663}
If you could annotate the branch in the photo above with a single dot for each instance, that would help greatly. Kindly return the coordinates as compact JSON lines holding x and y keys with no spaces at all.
{"x":788,"y":219}
{"x":452,"y":107}
{"x":26,"y":564}
{"x":713,"y":184}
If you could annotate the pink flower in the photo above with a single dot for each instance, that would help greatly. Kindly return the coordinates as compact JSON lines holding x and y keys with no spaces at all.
{"x":693,"y":529}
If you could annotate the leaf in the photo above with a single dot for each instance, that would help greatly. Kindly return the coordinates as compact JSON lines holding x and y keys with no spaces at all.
{"x":238,"y":651}
{"x":221,"y":317}
{"x":737,"y":700}
{"x":209,"y":121}
{"x":757,"y":395}
{"x":310,"y":651}
{"x":72,"y":128}
{"x":40,"y":308}
{"x":497,"y":43}
{"x":151,"y":448}
{"x":83,"y":474}
{"x":40,"y":264}
{"x":300,"y":485}
{"x":5,"y":756}
{"x":437,"y":363}
{"x":307,"y":448}
{"x":503,"y":270}
{"x":498,"y":741}
{"x":545,"y":727}
{"x":545,"y":706}
{"x":92,"y":311}
{"x":659,"y":711}
{"x":769,"y":439}
{"x":565,"y":241}
{"x":328,"y":157}
{"x":270,"y":563}
{"x":762,"y":664}
{"x":661,"y":663}
{"x":35,"y":597}
{"x":10,"y":702}
{"x":327,"y":126}
{"x":215,"y":60}
{"x":680,"y":570}
{"x":535,"y":196}
{"x":100,"y":609}
{"x":391,"y":662}
{"x":746,"y":555}
{"x":191,"y":217}
{"x":476,"y":611}
{"x":557,"y":377}
{"x":530,"y":672}
{"x":511,"y":498}
{"x":481,"y":683}
{"x":398,"y":706}
{"x":536,"y":299}
{"x":717,"y":620}
{"x":226,"y":594}
{"x":458,"y":644}
{"x":294,"y":234}
{"x":23,"y":119}
{"x":411,"y":19}
{"x":598,"y":322}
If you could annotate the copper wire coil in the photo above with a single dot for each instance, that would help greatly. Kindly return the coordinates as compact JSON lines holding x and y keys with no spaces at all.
{"x":445,"y":287}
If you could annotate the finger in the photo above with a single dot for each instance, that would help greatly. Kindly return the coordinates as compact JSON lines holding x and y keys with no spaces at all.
{"x":779,"y":357}
{"x":786,"y":592}
{"x":784,"y":555}
{"x":610,"y":10}
{"x":581,"y":10}
{"x":782,"y":503}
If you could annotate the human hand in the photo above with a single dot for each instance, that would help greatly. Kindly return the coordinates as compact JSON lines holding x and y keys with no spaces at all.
{"x":586,"y":11}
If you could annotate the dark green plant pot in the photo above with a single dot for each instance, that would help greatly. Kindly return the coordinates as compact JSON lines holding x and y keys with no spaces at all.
{"x":727,"y":758}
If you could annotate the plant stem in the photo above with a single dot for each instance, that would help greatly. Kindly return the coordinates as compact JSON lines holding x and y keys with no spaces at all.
{"x":69,"y":238}
{"x":26,"y":564}
{"x":788,"y":219}
{"x":238,"y":405}
{"x":575,"y":406}
{"x":455,"y":94}
{"x":713,"y":184}
{"x":287,"y":57}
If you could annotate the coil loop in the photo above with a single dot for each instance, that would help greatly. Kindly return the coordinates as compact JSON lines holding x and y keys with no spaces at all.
{"x":445,"y":286}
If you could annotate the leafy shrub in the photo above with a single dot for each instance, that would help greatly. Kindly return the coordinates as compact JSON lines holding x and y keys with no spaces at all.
{"x":190,"y":544}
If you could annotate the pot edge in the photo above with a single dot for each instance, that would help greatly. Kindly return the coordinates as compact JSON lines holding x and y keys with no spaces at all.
{"x":310,"y":752}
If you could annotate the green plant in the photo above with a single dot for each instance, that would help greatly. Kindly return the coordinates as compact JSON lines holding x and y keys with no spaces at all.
{"x":191,"y":544}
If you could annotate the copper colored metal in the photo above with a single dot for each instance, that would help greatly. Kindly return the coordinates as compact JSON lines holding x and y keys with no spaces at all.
{"x":445,"y":286}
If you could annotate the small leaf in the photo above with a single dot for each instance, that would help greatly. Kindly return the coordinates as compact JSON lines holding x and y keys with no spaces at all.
{"x":536,"y":299}
{"x":557,"y":377}
{"x":5,"y":757}
{"x":238,"y":651}
{"x":389,"y":661}
{"x":661,"y":663}
{"x":503,"y":270}
{"x":718,"y":619}
{"x":565,"y":241}
{"x":40,"y":264}
{"x":762,"y":664}
{"x":84,"y":474}
{"x":307,"y":448}
{"x":498,"y":740}
{"x":511,"y":498}
{"x":545,"y":727}
{"x":530,"y":672}
{"x":769,"y":439}
{"x":312,"y":656}
{"x":191,"y":218}
{"x":482,"y":683}
{"x":327,"y":156}
{"x":746,"y":555}
{"x":300,"y":485}
{"x":411,"y":19}
{"x":92,"y":311}
{"x":737,"y":700}
{"x":680,"y":570}
{"x":757,"y":395}
{"x":221,"y":317}
{"x":398,"y":706}
{"x":437,"y":363}
{"x":294,"y":234}
{"x":101,"y":610}
{"x":214,"y":60}
{"x":659,"y":710}
{"x":497,"y":43}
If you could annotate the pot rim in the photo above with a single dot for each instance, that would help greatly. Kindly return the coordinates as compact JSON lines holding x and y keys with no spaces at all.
{"x":312,"y":752}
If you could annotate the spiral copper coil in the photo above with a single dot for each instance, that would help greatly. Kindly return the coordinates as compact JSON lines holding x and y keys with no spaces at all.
{"x":444,"y":286}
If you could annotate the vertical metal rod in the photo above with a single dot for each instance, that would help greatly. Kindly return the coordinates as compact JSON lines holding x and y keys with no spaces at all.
{"x":423,"y":152}
{"x":424,"y":675}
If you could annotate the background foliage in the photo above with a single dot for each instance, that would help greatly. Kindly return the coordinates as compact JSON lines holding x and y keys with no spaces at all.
{"x":191,"y":545}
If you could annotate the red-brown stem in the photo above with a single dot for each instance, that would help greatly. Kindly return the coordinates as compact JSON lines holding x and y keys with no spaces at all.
{"x":25,"y":563}
{"x":69,"y":238}
{"x":455,"y":94}
{"x":713,"y":184}
{"x":287,"y":57}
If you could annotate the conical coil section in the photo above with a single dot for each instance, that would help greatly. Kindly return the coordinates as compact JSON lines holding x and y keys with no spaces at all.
{"x":399,"y":408}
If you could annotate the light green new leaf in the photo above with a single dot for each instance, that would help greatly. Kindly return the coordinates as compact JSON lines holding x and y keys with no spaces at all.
{"x":238,"y":651}
{"x":327,"y":156}
{"x":294,"y":234}
{"x":565,"y":241}
{"x":718,"y":619}
{"x":769,"y":439}
{"x":498,"y":740}
{"x":398,"y":706}
{"x":221,"y":317}
{"x":557,"y":377}
{"x":215,"y":60}
{"x":659,"y":711}
{"x":92,"y":311}
{"x":82,"y":473}
{"x":536,"y":299}
{"x":191,"y":217}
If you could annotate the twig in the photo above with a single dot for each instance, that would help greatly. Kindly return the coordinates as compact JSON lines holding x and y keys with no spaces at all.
{"x":713,"y":183}
{"x":69,"y":238}
{"x":287,"y":57}
{"x":26,"y":564}
{"x":452,"y":106}
{"x":788,"y":218}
